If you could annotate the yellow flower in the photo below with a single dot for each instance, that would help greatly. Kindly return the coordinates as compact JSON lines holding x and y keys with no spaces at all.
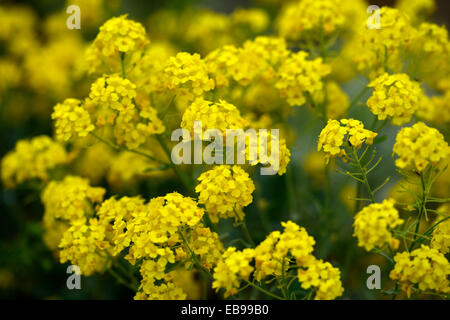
{"x":113,"y":92}
{"x":220,"y":115}
{"x":298,"y":77}
{"x":257,"y":20}
{"x":333,"y":137}
{"x":233,"y":267}
{"x":148,"y":229}
{"x":373,"y":225}
{"x":416,"y":10}
{"x":187,"y":75}
{"x":425,"y":267}
{"x":84,"y":245}
{"x":266,"y":155}
{"x":440,"y":239}
{"x":441,"y":109}
{"x":207,"y":245}
{"x":118,"y":35}
{"x":65,"y":203}
{"x":306,"y":18}
{"x":256,"y":59}
{"x":32,"y":159}
{"x":323,"y":276}
{"x":394,"y":96}
{"x":165,"y":289}
{"x":71,"y":120}
{"x":224,"y":191}
{"x":382,"y":49}
{"x":419,"y":146}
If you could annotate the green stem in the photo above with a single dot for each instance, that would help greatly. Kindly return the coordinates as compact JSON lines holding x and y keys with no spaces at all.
{"x":264,"y":291}
{"x":421,"y":210}
{"x":193,"y":256}
{"x":363,"y":174}
{"x":244,"y":229}
{"x":118,"y":148}
{"x":122,"y":280}
{"x":358,"y":97}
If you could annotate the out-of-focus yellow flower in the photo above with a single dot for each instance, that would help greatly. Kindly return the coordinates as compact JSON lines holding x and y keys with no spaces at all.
{"x":440,"y":238}
{"x":32,"y":159}
{"x":416,"y":10}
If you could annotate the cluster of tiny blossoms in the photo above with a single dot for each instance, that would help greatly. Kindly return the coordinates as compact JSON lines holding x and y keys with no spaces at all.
{"x":117,"y":36}
{"x":220,"y":116}
{"x":32,"y":159}
{"x":441,"y":234}
{"x":373,"y":225}
{"x":425,"y":267}
{"x":299,"y":77}
{"x":394,"y":96}
{"x":419,"y":146}
{"x":225,"y":190}
{"x":274,"y":257}
{"x":336,"y":134}
{"x":71,"y":119}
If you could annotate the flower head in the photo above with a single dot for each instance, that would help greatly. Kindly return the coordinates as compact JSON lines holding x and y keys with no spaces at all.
{"x":419,"y":146}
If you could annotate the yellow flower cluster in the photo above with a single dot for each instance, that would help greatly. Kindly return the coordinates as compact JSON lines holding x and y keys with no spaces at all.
{"x":153,"y":271}
{"x":233,"y":267}
{"x":152,"y":225}
{"x":440,"y":238}
{"x":161,"y":232}
{"x":419,"y":146}
{"x":111,"y":101}
{"x":207,"y":245}
{"x":118,"y":35}
{"x":72,"y":120}
{"x":322,"y":276}
{"x":331,"y":138}
{"x":256,"y":59}
{"x":298,"y":77}
{"x":307,"y":18}
{"x":394,"y":96}
{"x":32,"y":159}
{"x":257,"y":20}
{"x":225,"y":190}
{"x":84,"y":245}
{"x":425,"y":267}
{"x":416,"y":10}
{"x":373,"y":225}
{"x":381,"y":49}
{"x":273,"y":257}
{"x":112,"y":92}
{"x":265,"y":154}
{"x":187,"y":75}
{"x":441,"y":109}
{"x":220,"y":115}
{"x":67,"y":202}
